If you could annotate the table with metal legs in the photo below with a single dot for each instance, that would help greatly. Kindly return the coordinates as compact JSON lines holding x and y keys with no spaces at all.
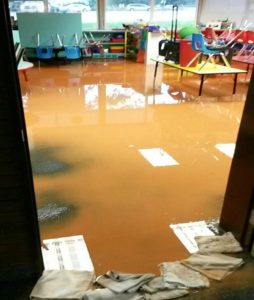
{"x":208,"y":69}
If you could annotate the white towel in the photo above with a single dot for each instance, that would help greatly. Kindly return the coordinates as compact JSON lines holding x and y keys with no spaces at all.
{"x":225,"y":243}
{"x":181,"y":276}
{"x":123,"y":282}
{"x":215,"y":266}
{"x":62,"y":284}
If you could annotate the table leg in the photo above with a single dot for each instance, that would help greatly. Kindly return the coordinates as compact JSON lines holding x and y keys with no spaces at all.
{"x":201,"y":84}
{"x":235,"y":82}
{"x":248,"y":67}
{"x":25,"y":75}
{"x":155,"y":73}
{"x":181,"y":75}
{"x":155,"y":70}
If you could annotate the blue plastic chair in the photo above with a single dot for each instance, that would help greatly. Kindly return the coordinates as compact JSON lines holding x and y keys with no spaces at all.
{"x":44,"y":53}
{"x":198,"y":44}
{"x":72,"y":52}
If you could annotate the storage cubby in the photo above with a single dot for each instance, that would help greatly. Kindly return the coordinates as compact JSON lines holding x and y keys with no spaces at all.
{"x":110,"y":43}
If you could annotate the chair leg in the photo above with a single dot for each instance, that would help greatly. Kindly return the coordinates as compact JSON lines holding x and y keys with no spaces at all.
{"x":193,"y":59}
{"x":242,"y":50}
{"x":210,"y":58}
{"x":251,"y":54}
{"x":202,"y":66}
{"x":225,"y":60}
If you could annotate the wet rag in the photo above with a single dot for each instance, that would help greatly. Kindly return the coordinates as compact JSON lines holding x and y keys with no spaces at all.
{"x":106,"y":294}
{"x":62,"y":284}
{"x":214,"y":265}
{"x":180,"y":276}
{"x":225,"y":243}
{"x":119,"y":282}
{"x":126,"y":286}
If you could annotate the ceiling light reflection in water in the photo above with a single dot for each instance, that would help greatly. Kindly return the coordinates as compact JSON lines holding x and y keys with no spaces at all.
{"x":227,"y":149}
{"x":91,"y":95}
{"x":116,"y":97}
{"x":157,"y":157}
{"x":119,"y":97}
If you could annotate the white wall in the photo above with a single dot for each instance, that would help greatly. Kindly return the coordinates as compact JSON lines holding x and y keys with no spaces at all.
{"x":250,"y":11}
{"x":234,"y":10}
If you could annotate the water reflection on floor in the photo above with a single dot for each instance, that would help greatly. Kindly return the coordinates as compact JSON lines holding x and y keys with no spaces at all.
{"x":95,"y":120}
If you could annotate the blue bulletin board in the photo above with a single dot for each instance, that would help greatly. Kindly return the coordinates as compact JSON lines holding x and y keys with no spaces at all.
{"x":49,"y":29}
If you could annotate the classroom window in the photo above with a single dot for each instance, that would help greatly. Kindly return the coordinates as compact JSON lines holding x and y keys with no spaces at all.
{"x":113,"y":13}
{"x":158,"y":12}
{"x":119,"y":12}
{"x":87,"y":8}
{"x":162,"y":13}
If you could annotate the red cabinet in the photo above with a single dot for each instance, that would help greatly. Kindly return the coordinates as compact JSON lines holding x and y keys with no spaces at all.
{"x":186,"y":53}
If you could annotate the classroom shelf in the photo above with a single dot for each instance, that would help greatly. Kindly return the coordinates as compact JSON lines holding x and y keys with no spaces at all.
{"x":108,"y":40}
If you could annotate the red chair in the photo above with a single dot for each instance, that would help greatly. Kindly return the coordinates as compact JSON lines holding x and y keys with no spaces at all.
{"x":228,"y":35}
{"x":210,"y":35}
{"x":250,"y":44}
{"x":246,"y":38}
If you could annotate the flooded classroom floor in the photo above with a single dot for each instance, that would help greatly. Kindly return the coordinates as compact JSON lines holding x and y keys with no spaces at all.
{"x":117,"y":161}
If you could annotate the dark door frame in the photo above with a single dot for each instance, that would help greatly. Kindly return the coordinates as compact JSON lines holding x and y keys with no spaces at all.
{"x":238,"y":201}
{"x":20,"y":246}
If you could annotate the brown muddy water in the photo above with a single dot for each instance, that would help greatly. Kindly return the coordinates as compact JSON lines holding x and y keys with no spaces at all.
{"x":86,"y":126}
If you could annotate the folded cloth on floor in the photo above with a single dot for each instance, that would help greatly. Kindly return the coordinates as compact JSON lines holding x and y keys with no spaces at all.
{"x":215,"y":266}
{"x":62,"y":284}
{"x":180,"y":276}
{"x":166,"y":295}
{"x":123,"y":282}
{"x":107,"y":294}
{"x":225,"y":243}
{"x":159,"y":284}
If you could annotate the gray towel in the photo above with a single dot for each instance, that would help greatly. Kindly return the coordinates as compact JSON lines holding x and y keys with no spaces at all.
{"x":157,"y":284}
{"x":215,"y":266}
{"x":63,"y":284}
{"x":123,"y":282}
{"x":106,"y":294}
{"x":180,"y":276}
{"x":166,"y":295}
{"x":225,"y":243}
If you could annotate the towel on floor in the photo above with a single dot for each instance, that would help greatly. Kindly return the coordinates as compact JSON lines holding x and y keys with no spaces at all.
{"x":106,"y":294}
{"x":126,"y":286}
{"x":225,"y":243}
{"x":215,"y":266}
{"x":180,"y":276}
{"x":123,"y":282}
{"x":158,"y":284}
{"x":62,"y":284}
{"x":166,"y":295}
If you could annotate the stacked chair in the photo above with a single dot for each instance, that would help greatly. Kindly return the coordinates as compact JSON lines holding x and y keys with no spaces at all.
{"x":198,"y":45}
{"x":44,"y":53}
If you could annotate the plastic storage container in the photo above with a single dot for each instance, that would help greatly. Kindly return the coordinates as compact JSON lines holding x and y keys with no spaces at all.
{"x":117,"y":40}
{"x":116,"y":49}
